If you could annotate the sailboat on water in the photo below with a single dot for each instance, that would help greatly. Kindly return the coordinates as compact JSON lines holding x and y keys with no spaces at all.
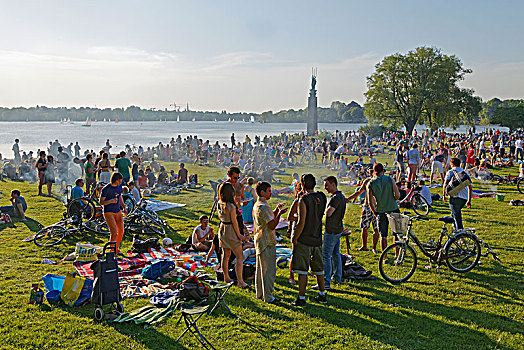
{"x":193,"y":119}
{"x":178,"y":119}
{"x":87,"y":123}
{"x":116,"y":120}
{"x":229,"y":120}
{"x":252,"y":119}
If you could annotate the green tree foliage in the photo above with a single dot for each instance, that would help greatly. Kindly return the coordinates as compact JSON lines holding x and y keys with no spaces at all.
{"x":489,"y":108}
{"x":511,"y":117}
{"x":420,"y":87}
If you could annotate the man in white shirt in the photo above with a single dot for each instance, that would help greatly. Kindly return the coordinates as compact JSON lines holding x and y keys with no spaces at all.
{"x":203,"y":235}
{"x":519,"y":150}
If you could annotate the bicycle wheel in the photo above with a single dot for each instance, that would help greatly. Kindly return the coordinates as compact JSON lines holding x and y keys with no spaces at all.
{"x":520,"y":185}
{"x":155,"y":217}
{"x":152,"y":226}
{"x":129,"y":202}
{"x":419,"y":204}
{"x":50,"y":235}
{"x":400,"y":263}
{"x":83,"y":207}
{"x":462,"y":252}
{"x":99,"y":227}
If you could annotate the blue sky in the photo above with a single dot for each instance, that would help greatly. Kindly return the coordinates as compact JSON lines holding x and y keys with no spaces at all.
{"x":241,"y":55}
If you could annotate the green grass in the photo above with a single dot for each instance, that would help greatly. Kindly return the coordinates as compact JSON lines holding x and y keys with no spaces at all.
{"x":482,"y":309}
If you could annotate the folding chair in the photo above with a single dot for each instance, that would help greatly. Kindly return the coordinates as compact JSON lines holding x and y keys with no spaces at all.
{"x":219,"y":290}
{"x":189,"y":311}
{"x":346,"y":234}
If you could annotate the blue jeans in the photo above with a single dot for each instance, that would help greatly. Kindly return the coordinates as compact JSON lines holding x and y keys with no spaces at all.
{"x":331,"y":257}
{"x":456,"y":204}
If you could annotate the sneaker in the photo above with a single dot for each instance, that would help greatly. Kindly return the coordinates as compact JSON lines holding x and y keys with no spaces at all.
{"x":326,"y":287}
{"x":299,"y":302}
{"x":275,"y":300}
{"x":321,"y":299}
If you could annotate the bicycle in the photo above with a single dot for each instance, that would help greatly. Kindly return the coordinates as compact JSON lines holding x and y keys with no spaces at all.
{"x":460,"y":252}
{"x":56,"y":233}
{"x":415,"y":201}
{"x":519,"y":181}
{"x":88,"y":207}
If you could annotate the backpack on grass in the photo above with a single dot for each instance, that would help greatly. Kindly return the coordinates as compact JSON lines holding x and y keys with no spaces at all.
{"x":157,"y":269}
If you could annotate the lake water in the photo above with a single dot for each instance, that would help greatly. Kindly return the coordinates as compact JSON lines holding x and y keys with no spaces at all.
{"x":36,"y":135}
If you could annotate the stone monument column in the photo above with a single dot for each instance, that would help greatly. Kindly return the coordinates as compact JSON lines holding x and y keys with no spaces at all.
{"x":312,"y":112}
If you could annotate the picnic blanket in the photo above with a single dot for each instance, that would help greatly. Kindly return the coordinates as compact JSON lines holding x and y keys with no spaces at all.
{"x":480,"y":194}
{"x":127,"y":267}
{"x":283,"y":256}
{"x":156,"y":205}
{"x":283,"y":223}
{"x":132,"y":285}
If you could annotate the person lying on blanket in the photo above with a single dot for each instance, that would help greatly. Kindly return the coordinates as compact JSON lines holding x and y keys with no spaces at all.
{"x":203,"y":235}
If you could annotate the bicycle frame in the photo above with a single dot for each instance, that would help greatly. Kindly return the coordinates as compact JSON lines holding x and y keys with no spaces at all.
{"x":434,"y":254}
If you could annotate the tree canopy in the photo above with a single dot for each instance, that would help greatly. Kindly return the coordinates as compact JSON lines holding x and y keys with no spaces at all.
{"x":511,"y":117}
{"x":420,"y":87}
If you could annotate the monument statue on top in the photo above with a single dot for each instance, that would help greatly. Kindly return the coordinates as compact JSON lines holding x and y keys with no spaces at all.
{"x":312,"y":112}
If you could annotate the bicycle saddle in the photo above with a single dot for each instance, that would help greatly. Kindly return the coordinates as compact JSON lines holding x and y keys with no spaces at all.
{"x":447,"y":219}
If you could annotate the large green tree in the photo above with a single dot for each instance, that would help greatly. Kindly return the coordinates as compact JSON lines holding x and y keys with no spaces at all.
{"x":511,"y":117}
{"x":420,"y":87}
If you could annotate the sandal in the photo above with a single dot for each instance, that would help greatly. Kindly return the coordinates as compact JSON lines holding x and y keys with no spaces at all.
{"x":362,"y":249}
{"x":246,"y":286}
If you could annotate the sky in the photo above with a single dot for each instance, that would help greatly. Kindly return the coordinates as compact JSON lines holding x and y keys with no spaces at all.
{"x":241,"y":55}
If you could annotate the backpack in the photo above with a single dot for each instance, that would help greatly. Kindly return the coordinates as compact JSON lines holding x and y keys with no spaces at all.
{"x":143,"y":246}
{"x":157,"y":269}
{"x":192,"y":289}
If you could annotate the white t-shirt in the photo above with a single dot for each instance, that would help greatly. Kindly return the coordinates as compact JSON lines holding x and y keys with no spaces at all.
{"x":198,"y":233}
{"x":518,"y":143}
{"x":426,"y":194}
{"x":136,"y":194}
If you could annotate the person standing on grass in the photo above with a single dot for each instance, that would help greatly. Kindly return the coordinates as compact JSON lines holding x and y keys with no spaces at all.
{"x":50,"y":175}
{"x":399,"y":160}
{"x":111,"y":200}
{"x":307,"y":240}
{"x":123,"y":164}
{"x":413,"y":157}
{"x":16,"y":152}
{"x":229,"y":233}
{"x":265,"y":222}
{"x":90,"y":171}
{"x":457,"y":202}
{"x":336,"y":208}
{"x":367,"y":218}
{"x":104,"y":165}
{"x":292,"y":217}
{"x":382,"y":195}
{"x":41,"y":167}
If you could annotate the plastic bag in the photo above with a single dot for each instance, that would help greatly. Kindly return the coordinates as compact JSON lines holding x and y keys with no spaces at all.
{"x":73,"y":286}
{"x":86,"y":252}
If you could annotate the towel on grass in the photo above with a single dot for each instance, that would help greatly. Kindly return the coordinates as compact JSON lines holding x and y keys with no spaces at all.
{"x":156,"y":205}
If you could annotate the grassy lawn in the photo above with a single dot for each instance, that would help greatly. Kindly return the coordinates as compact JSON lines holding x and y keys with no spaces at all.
{"x":482,"y":309}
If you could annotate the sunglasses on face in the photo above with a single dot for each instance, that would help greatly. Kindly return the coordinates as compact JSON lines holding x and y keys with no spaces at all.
{"x":235,"y":177}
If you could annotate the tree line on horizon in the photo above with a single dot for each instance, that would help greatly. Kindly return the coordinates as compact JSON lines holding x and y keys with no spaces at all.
{"x":337,"y":112}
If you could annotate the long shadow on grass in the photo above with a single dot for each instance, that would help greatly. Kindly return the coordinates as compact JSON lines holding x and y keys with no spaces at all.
{"x":390,"y":323}
{"x":147,"y":335}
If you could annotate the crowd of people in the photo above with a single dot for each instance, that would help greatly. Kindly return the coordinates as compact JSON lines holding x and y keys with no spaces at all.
{"x":243,"y":197}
